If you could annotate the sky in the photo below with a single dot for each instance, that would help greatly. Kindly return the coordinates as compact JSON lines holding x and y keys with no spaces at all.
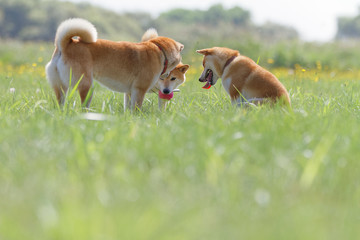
{"x":315,"y":20}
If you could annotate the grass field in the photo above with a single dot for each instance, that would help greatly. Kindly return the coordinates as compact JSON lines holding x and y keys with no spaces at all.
{"x":201,"y":170}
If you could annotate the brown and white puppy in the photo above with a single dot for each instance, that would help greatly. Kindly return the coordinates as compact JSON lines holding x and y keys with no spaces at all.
{"x":244,"y":80}
{"x":165,"y":87}
{"x":128,"y":67}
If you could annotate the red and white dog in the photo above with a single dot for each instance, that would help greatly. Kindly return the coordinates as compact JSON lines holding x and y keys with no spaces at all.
{"x":244,"y":80}
{"x":132,"y":68}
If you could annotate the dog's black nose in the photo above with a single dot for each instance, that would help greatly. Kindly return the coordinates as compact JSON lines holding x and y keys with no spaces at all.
{"x":166,"y":91}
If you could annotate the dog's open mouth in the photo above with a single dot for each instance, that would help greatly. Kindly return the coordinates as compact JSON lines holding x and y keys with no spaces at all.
{"x":209,"y":79}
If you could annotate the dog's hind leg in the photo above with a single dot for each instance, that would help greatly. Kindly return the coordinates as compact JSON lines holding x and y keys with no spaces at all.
{"x":54,"y":79}
{"x":85,"y":91}
{"x":60,"y":92}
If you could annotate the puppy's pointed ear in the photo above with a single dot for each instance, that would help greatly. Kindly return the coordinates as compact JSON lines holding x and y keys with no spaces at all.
{"x":205,"y":52}
{"x":183,"y":68}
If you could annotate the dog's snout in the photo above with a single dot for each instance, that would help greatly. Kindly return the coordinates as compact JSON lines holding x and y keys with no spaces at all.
{"x":166,"y":91}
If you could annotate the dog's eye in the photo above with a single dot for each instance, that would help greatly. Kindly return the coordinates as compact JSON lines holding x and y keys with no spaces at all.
{"x":173,"y":79}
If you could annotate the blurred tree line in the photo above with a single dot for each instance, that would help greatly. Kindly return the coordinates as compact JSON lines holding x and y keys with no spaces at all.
{"x":37,"y":20}
{"x":348,"y":27}
{"x":275,"y":45}
{"x":219,"y":26}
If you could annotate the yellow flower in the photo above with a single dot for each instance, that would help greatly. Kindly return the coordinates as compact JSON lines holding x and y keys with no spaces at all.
{"x":270,"y":61}
{"x":318,"y":65}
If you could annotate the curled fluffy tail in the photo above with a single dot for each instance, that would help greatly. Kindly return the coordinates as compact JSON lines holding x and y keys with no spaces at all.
{"x":75,"y":27}
{"x":149,"y":34}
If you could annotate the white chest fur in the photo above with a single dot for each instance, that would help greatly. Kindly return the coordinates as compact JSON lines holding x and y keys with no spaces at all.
{"x":226,"y":84}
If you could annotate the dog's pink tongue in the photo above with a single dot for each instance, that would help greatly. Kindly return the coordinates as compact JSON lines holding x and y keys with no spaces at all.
{"x":207,"y":85}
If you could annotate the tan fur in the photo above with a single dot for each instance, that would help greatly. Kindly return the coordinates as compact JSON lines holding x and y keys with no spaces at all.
{"x":175,"y":78}
{"x":128,"y":67}
{"x":171,"y":82}
{"x":242,"y":78}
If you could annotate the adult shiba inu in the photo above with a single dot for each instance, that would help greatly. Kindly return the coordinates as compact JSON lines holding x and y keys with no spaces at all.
{"x":244,"y":80}
{"x":165,"y":87}
{"x":133,"y":68}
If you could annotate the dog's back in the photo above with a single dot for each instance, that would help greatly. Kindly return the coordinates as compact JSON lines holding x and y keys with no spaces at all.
{"x":254,"y":81}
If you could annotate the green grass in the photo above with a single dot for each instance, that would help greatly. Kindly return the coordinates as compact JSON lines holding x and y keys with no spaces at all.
{"x":201,"y":170}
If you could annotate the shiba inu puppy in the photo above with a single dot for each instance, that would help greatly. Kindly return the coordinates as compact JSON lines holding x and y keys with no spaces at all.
{"x":165,"y":87}
{"x":128,"y":67}
{"x":244,"y":80}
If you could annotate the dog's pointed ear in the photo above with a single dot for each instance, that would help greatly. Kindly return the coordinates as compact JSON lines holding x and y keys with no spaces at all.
{"x":183,"y":68}
{"x":205,"y":52}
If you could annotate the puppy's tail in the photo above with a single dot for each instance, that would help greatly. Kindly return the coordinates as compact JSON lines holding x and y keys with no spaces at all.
{"x":74,"y":27}
{"x":149,"y":34}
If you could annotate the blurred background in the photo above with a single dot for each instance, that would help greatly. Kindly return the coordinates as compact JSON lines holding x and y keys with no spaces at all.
{"x":280,"y":33}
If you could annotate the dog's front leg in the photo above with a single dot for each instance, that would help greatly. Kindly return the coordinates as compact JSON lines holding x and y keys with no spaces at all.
{"x":241,"y":102}
{"x":137,"y":98}
{"x":162,"y":103}
{"x":256,"y":101}
{"x":127,"y":101}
